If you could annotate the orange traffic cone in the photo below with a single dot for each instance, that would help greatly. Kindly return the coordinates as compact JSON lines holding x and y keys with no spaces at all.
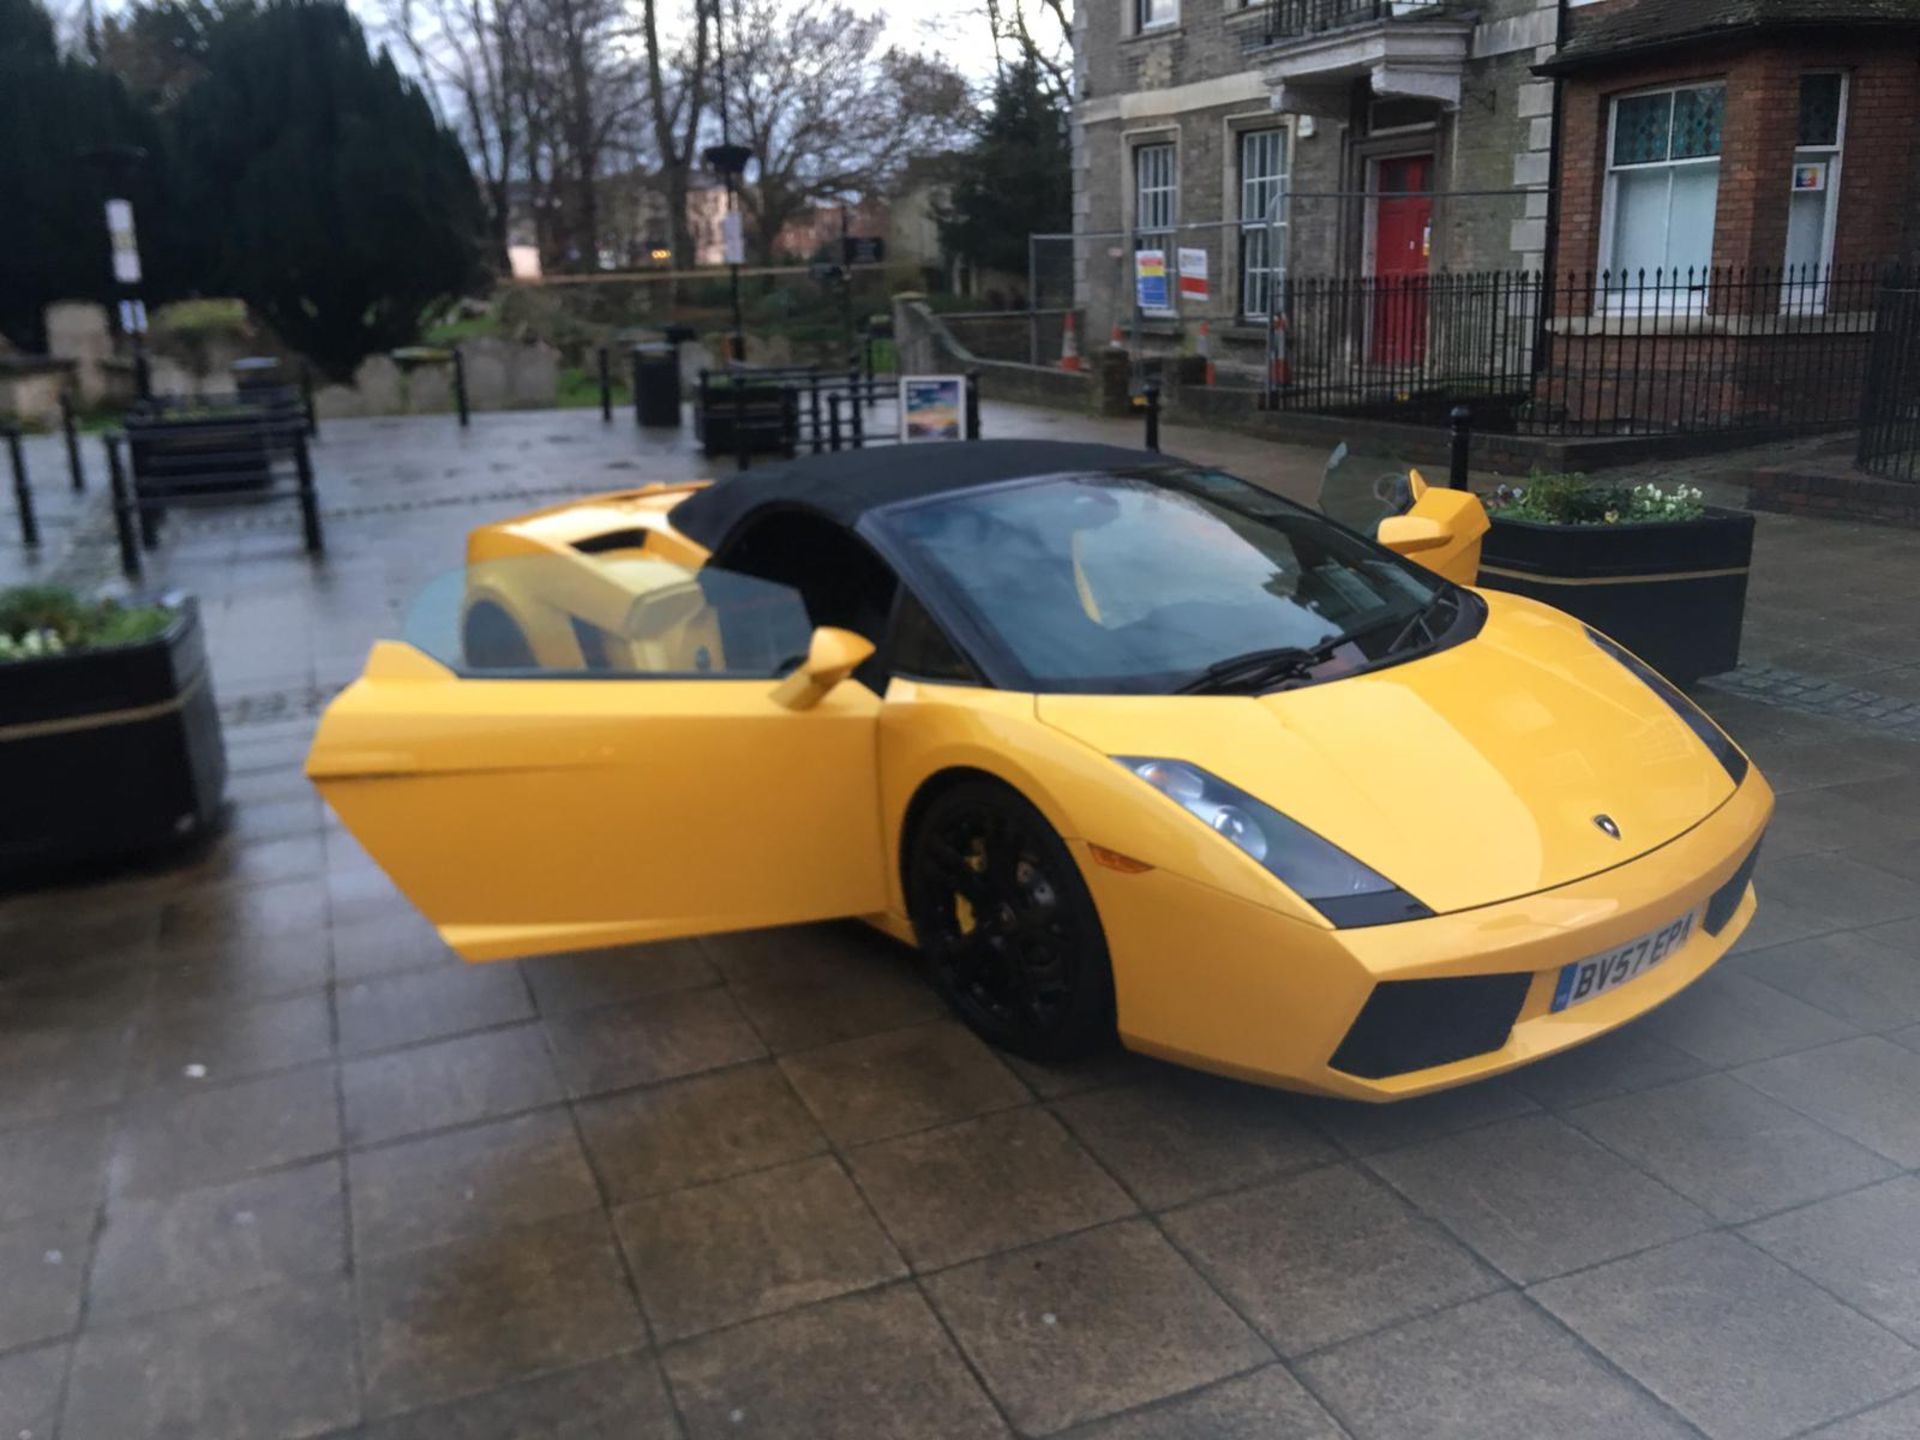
{"x":1206,"y":352}
{"x":1069,"y":345}
{"x":1119,"y":338}
{"x":1281,"y":372}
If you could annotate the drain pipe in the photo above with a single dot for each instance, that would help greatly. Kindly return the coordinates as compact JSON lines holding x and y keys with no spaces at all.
{"x":1550,"y":258}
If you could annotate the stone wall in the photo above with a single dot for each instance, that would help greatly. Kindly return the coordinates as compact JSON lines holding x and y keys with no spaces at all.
{"x":501,"y":375}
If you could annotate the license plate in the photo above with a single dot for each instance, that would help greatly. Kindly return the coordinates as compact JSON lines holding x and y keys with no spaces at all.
{"x":1584,"y":979}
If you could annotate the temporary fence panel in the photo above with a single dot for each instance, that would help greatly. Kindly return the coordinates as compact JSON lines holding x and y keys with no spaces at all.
{"x":1890,"y":413}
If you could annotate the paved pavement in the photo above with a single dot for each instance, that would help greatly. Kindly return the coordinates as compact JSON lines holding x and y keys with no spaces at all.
{"x":273,"y":1164}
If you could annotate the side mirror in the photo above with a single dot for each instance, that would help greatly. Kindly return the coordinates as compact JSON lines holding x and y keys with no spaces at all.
{"x":831,"y":658}
{"x":1442,"y":531}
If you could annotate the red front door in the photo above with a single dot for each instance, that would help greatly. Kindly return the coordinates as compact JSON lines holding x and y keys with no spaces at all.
{"x":1402,"y":241}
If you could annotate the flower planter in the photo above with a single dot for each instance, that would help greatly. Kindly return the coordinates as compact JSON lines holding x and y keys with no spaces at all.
{"x":1671,"y":591}
{"x":109,"y":752}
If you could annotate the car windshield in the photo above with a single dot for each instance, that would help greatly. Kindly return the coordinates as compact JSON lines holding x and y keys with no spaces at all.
{"x":1147,"y":582}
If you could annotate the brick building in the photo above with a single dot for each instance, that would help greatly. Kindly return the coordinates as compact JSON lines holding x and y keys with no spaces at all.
{"x":1302,"y":138}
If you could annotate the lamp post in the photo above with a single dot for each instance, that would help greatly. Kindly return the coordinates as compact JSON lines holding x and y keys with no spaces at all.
{"x":729,"y":162}
{"x":116,"y":165}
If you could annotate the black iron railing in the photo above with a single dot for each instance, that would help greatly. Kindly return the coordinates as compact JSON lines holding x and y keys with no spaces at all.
{"x":1651,"y":353}
{"x":1890,"y":413}
{"x":1292,"y":19}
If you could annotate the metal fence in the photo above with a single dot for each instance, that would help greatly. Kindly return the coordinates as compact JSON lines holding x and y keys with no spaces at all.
{"x":1890,"y":415}
{"x":1651,"y":353}
{"x":1291,"y":19}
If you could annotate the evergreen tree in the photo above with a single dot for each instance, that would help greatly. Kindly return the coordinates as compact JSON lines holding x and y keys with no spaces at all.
{"x":322,"y":190}
{"x":1015,"y":180}
{"x":54,"y":110}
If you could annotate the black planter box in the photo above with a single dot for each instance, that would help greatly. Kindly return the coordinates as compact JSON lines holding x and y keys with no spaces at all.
{"x":108,"y":753}
{"x":763,"y":412}
{"x":1673,"y":592}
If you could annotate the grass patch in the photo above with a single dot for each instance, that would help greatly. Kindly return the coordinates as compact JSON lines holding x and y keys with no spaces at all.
{"x":580,"y":388}
{"x":467,"y":327}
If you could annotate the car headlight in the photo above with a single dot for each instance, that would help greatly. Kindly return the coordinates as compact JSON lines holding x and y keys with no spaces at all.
{"x":1318,"y":871}
{"x":1711,"y":735}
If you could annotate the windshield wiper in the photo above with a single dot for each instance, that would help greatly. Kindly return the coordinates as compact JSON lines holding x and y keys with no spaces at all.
{"x":1258,"y":667}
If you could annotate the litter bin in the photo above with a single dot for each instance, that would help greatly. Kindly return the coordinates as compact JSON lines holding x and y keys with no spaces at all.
{"x":656,"y":384}
{"x":256,"y":373}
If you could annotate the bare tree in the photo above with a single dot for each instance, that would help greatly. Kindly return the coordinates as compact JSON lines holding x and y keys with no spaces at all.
{"x":467,"y":49}
{"x":1047,"y":42}
{"x":827,"y":115}
{"x":676,"y":84}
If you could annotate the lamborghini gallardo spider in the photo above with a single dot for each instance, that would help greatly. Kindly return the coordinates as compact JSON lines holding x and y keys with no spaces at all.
{"x":1125,"y":746}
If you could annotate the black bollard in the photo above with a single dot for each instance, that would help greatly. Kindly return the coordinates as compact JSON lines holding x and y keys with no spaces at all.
{"x":306,"y":402}
{"x":742,"y":455}
{"x":833,"y":421}
{"x":460,"y":386}
{"x":122,"y":510}
{"x":1152,"y":397}
{"x":973,"y":405}
{"x":71,"y":429}
{"x":1460,"y":427}
{"x":29,"y":526}
{"x":606,"y":387}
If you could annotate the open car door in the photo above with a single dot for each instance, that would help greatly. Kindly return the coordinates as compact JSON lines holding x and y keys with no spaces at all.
{"x":571,"y":751}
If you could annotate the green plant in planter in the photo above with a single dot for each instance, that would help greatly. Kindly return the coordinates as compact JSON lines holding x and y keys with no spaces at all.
{"x":40,"y":620}
{"x":1576,"y":500}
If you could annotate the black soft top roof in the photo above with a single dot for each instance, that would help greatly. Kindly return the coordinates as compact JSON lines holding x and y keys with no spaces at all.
{"x":845,"y":486}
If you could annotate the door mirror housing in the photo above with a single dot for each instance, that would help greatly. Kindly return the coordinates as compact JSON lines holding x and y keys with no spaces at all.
{"x":1441,"y":531}
{"x":832,"y":657}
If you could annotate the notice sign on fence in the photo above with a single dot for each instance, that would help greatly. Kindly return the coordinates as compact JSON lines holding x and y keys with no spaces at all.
{"x":1150,"y":279}
{"x":932,"y":407}
{"x":126,"y":249}
{"x":1193,"y":274}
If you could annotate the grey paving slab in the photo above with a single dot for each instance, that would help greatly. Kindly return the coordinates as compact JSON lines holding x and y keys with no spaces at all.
{"x":1735,"y":1341}
{"x":190,"y":1046}
{"x":872,"y":1364}
{"x":56,"y":1167}
{"x":50,"y":1072}
{"x":1618,"y":1063}
{"x":43,"y":1273}
{"x":375,"y":943}
{"x":659,"y":1037}
{"x":178,"y":1140}
{"x":1491,"y":1369}
{"x":754,"y":1245}
{"x":30,"y":1382}
{"x":1364,"y":1129}
{"x":456,"y":1320}
{"x":470,"y":1182}
{"x":1090,"y":1325}
{"x":1728,"y":1148}
{"x":619,"y":1399}
{"x":1862,"y":1088}
{"x":206,"y":1244}
{"x":1846,"y":891}
{"x":1263,"y":1405}
{"x":602,"y":977}
{"x":901,"y":1080}
{"x":273,"y":1365}
{"x":1869,"y":978}
{"x":1898,"y":1420}
{"x":1864,"y":1247}
{"x":1729,"y":1018}
{"x":663,"y":1137}
{"x":449,"y":1082}
{"x":813,"y":985}
{"x":1535,"y":1198}
{"x":967,"y":1190}
{"x":1180,"y":1136}
{"x":1325,"y":1256}
{"x":397,"y":1010}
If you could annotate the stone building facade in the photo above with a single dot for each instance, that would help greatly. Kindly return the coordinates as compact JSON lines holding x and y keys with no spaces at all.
{"x":1365,"y":137}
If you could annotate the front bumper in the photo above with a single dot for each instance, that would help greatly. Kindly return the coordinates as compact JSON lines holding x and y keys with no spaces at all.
{"x":1213,"y":981}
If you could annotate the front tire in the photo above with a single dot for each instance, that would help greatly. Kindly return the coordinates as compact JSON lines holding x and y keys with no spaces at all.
{"x":1007,"y":925}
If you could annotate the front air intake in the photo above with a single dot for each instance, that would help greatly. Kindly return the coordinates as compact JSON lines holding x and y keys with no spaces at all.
{"x":1416,"y":1024}
{"x":1727,"y":898}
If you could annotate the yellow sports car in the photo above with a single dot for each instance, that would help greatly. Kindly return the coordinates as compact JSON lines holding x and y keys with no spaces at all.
{"x":1121,"y":743}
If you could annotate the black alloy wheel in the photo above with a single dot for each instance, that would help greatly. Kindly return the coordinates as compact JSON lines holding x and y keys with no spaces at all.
{"x":1008,"y":928}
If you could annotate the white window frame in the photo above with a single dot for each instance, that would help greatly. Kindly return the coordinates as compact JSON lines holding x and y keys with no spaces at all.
{"x":1802,"y":299}
{"x":1152,"y":15}
{"x":1667,"y":301}
{"x":1165,"y":228}
{"x":1247,"y":190}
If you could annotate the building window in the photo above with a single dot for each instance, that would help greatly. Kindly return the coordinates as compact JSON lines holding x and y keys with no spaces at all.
{"x":1663,"y":184}
{"x":1155,"y":14}
{"x":1263,"y":218}
{"x":1154,"y":193}
{"x":1815,"y":188}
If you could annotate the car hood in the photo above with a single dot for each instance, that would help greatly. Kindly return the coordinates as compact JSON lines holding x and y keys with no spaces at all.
{"x":1473,"y":775}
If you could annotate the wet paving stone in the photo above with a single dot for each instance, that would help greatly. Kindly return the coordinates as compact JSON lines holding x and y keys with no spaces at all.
{"x":813,"y":985}
{"x":1092,"y":1324}
{"x":456,"y":1320}
{"x":398,"y":1010}
{"x":466,"y":1183}
{"x":207,"y":1244}
{"x":1863,"y":1247}
{"x":642,"y":1042}
{"x":274,"y":1365}
{"x":50,"y":1072}
{"x":449,"y":1082}
{"x":687,"y":1132}
{"x":900,"y":1081}
{"x":752,"y":1246}
{"x":178,"y":1140}
{"x":1862,"y":1088}
{"x":1265,"y":1405}
{"x":214,"y":1042}
{"x":619,"y":1399}
{"x":604,"y":977}
{"x":43,"y":1270}
{"x":873,"y":1364}
{"x":54,"y":1168}
{"x":30,"y":1383}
